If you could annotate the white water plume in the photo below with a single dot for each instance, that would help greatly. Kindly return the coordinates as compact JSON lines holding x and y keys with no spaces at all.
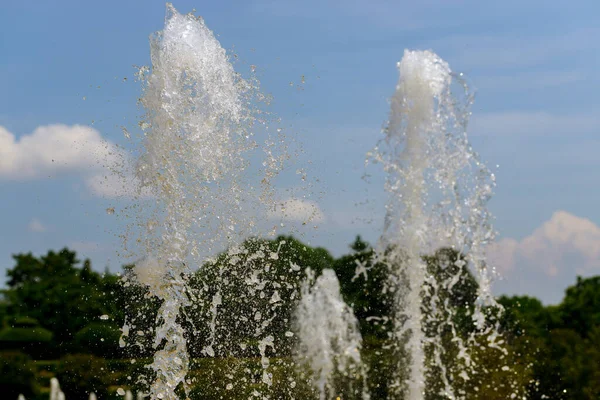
{"x":55,"y":392}
{"x":438,"y":193}
{"x":329,"y":339}
{"x":197,"y":128}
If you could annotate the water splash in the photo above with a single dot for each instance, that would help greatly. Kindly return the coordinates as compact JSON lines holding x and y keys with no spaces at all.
{"x":55,"y":392}
{"x":438,"y":193}
{"x":198,"y":132}
{"x":193,"y":138}
{"x":329,"y":339}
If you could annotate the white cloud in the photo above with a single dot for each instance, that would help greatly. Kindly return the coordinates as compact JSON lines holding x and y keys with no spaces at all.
{"x":557,"y":251}
{"x":62,"y":149}
{"x":35,"y":225}
{"x":54,"y":149}
{"x":115,"y":185}
{"x":297,"y":210}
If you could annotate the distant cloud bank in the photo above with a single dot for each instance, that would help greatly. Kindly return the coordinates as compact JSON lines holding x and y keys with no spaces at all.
{"x":551,"y":257}
{"x":52,"y":150}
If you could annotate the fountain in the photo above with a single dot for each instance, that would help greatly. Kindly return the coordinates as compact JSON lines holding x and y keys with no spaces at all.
{"x":199,"y":133}
{"x":438,"y":192}
{"x":55,"y":392}
{"x":200,"y":136}
{"x":329,"y":339}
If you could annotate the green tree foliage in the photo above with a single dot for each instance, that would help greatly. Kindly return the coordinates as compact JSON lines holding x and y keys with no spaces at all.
{"x":25,"y":334}
{"x":62,"y":295}
{"x":55,"y":302}
{"x":81,"y":374}
{"x":580,"y":309}
{"x":16,"y":375}
{"x":560,"y":343}
{"x":362,"y":283}
{"x":249,"y":292}
{"x":100,"y":339}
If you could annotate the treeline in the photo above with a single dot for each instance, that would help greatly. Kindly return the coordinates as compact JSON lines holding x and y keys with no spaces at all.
{"x":61,"y":318}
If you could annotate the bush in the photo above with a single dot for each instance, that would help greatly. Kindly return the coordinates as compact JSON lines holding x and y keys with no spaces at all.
{"x":81,"y":374}
{"x":33,"y":340}
{"x":16,"y":375}
{"x":99,"y":339}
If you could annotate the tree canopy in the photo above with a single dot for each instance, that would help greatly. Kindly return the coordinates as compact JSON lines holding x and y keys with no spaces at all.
{"x":56,"y":306}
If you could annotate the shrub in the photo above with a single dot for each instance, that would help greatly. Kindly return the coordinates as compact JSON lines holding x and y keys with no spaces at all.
{"x":99,"y":339}
{"x":31,"y":339}
{"x":16,"y":375}
{"x":81,"y":374}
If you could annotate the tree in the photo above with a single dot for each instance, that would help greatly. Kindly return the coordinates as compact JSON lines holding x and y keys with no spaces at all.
{"x":60,"y":294}
{"x":81,"y":374}
{"x":25,"y":334}
{"x":580,"y":309}
{"x":249,"y":292}
{"x":362,"y":282}
{"x":16,"y":375}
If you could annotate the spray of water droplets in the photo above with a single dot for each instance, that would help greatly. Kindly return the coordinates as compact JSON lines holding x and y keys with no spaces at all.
{"x":329,"y":339}
{"x":198,"y":134}
{"x":438,"y":190}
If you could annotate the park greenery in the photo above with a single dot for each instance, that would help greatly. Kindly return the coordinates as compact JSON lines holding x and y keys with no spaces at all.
{"x":61,"y":318}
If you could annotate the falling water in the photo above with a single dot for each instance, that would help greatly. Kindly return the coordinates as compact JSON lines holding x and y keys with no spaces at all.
{"x":438,"y":193}
{"x":329,"y":339}
{"x":196,"y":130}
{"x":55,"y":392}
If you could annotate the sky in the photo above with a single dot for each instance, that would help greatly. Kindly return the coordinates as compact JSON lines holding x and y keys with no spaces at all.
{"x":67,"y":90}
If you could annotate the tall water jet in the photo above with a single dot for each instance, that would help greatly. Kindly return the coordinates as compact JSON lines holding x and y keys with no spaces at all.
{"x":328,"y":335}
{"x":438,"y":193}
{"x":197,"y":127}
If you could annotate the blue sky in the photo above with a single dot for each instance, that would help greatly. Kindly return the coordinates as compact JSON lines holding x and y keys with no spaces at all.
{"x":536,"y":114}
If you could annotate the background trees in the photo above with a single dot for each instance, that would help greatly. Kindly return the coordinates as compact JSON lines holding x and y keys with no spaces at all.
{"x":56,"y":307}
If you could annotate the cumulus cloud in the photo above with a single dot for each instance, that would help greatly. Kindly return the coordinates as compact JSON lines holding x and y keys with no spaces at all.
{"x":297,"y":210}
{"x":53,"y":149}
{"x":563,"y":247}
{"x":35,"y":225}
{"x":61,"y":149}
{"x":115,"y":185}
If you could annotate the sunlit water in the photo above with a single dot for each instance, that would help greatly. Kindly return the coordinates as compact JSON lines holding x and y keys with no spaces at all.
{"x":438,"y":190}
{"x":329,"y":339}
{"x":199,"y":132}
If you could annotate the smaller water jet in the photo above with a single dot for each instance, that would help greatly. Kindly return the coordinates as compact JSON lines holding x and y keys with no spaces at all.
{"x":55,"y":392}
{"x":329,"y":339}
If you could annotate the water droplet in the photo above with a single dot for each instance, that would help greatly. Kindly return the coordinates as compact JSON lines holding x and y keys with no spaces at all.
{"x":104,"y":317}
